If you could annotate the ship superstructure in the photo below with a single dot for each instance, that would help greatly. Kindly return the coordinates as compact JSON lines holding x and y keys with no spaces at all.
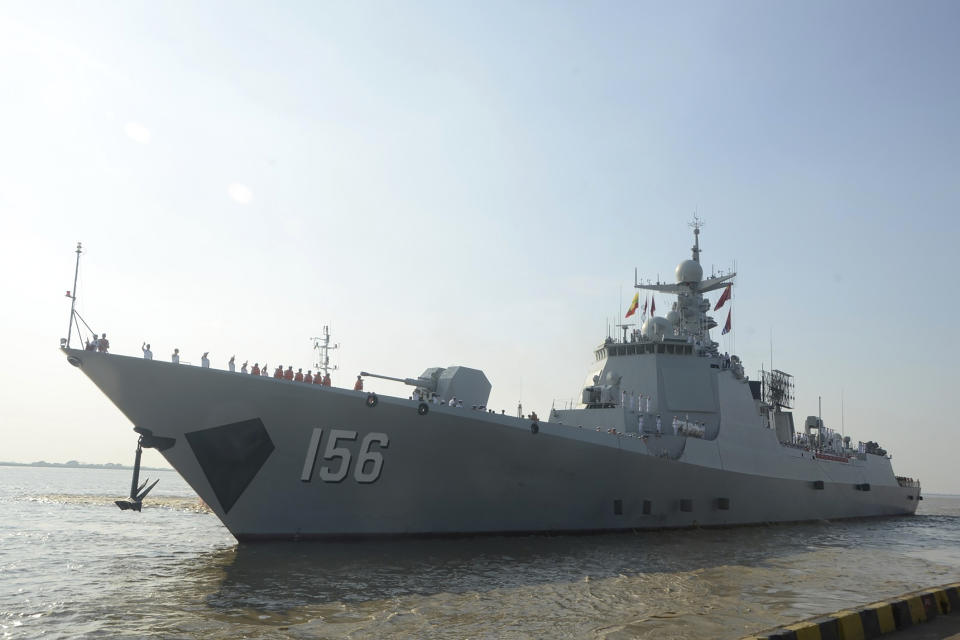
{"x":668,"y":432}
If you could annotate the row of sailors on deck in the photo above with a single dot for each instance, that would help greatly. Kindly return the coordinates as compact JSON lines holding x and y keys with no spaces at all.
{"x":420,"y":396}
{"x":634,"y":401}
{"x":299,"y":376}
{"x":433,"y":398}
{"x":100,"y":344}
{"x":680,"y":427}
{"x":256,"y":370}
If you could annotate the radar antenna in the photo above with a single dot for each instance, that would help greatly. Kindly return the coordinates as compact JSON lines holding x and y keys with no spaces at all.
{"x":778,"y":389}
{"x":323,"y":347}
{"x":697,"y":224}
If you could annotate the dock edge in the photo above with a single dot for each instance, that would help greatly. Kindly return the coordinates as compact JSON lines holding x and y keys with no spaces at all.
{"x":872,"y":620}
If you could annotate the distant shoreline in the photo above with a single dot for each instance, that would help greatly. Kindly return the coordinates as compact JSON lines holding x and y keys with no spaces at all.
{"x":73,"y":464}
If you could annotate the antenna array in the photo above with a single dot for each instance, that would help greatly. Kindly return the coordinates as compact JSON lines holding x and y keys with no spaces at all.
{"x":323,"y":347}
{"x":778,"y":389}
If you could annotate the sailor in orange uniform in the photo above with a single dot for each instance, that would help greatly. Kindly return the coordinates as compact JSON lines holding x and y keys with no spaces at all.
{"x":288,"y":374}
{"x":298,"y":376}
{"x":318,"y":379}
{"x":278,"y":373}
{"x":307,"y":377}
{"x":326,"y":380}
{"x":256,"y":369}
{"x":359,"y":384}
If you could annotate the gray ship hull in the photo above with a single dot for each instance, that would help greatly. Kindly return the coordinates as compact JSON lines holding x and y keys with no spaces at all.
{"x":277,"y":459}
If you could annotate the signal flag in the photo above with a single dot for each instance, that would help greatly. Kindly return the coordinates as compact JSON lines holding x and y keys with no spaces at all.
{"x":723,"y":298}
{"x":633,"y":305}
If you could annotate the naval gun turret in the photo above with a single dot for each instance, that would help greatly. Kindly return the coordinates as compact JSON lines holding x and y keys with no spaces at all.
{"x":463,"y":383}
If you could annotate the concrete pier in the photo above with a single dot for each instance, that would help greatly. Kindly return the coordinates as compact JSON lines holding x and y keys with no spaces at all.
{"x":922,"y":615}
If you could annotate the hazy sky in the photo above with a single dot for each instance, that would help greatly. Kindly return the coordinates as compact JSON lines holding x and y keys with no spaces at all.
{"x":474,"y":183}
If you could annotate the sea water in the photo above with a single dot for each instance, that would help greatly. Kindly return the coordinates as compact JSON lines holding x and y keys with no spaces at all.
{"x":73,"y":565}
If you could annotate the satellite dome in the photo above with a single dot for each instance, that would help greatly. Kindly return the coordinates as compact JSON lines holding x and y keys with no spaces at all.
{"x":656,"y":327}
{"x":689,"y":271}
{"x":673,"y":317}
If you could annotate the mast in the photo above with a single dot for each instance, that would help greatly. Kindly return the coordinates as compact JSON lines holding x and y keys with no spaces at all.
{"x":819,"y":422}
{"x":322,"y":345}
{"x":697,"y":224}
{"x":73,"y":296}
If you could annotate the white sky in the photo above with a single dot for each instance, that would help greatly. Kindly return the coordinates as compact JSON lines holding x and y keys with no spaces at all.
{"x":461,"y":183}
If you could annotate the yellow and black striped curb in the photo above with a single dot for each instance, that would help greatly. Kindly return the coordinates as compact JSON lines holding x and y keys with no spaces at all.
{"x":873,"y":620}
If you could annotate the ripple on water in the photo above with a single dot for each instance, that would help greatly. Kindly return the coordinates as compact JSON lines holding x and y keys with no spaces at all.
{"x":174,"y":503}
{"x":72,"y":564}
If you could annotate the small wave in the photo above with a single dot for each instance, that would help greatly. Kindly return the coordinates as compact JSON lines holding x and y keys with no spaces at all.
{"x":172,"y":503}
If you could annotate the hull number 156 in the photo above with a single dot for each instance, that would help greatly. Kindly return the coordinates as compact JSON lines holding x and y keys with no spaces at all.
{"x":337,"y":457}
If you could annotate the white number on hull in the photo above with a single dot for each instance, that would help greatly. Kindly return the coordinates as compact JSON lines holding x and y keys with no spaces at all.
{"x":370,"y":456}
{"x":336,"y":473}
{"x":311,"y":455}
{"x":333,"y":451}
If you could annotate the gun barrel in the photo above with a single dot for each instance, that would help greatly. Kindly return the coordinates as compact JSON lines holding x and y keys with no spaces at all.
{"x":413,"y":382}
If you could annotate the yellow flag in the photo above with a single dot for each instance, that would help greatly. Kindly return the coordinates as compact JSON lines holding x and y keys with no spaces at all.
{"x":633,"y":305}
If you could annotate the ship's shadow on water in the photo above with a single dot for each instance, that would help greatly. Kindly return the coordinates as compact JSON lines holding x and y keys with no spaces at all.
{"x":277,"y":576}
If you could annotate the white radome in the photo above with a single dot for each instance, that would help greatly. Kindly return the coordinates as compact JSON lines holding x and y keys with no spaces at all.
{"x":689,"y":271}
{"x":656,"y":327}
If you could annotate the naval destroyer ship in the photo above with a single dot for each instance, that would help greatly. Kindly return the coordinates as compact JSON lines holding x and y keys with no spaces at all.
{"x":668,"y":432}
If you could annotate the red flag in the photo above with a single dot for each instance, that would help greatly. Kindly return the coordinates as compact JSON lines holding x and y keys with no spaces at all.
{"x":653,"y":305}
{"x":726,"y":327}
{"x":646,"y":301}
{"x":723,"y":298}
{"x":68,"y":294}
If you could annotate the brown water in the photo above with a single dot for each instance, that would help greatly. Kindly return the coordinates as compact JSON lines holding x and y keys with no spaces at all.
{"x":72,"y":564}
